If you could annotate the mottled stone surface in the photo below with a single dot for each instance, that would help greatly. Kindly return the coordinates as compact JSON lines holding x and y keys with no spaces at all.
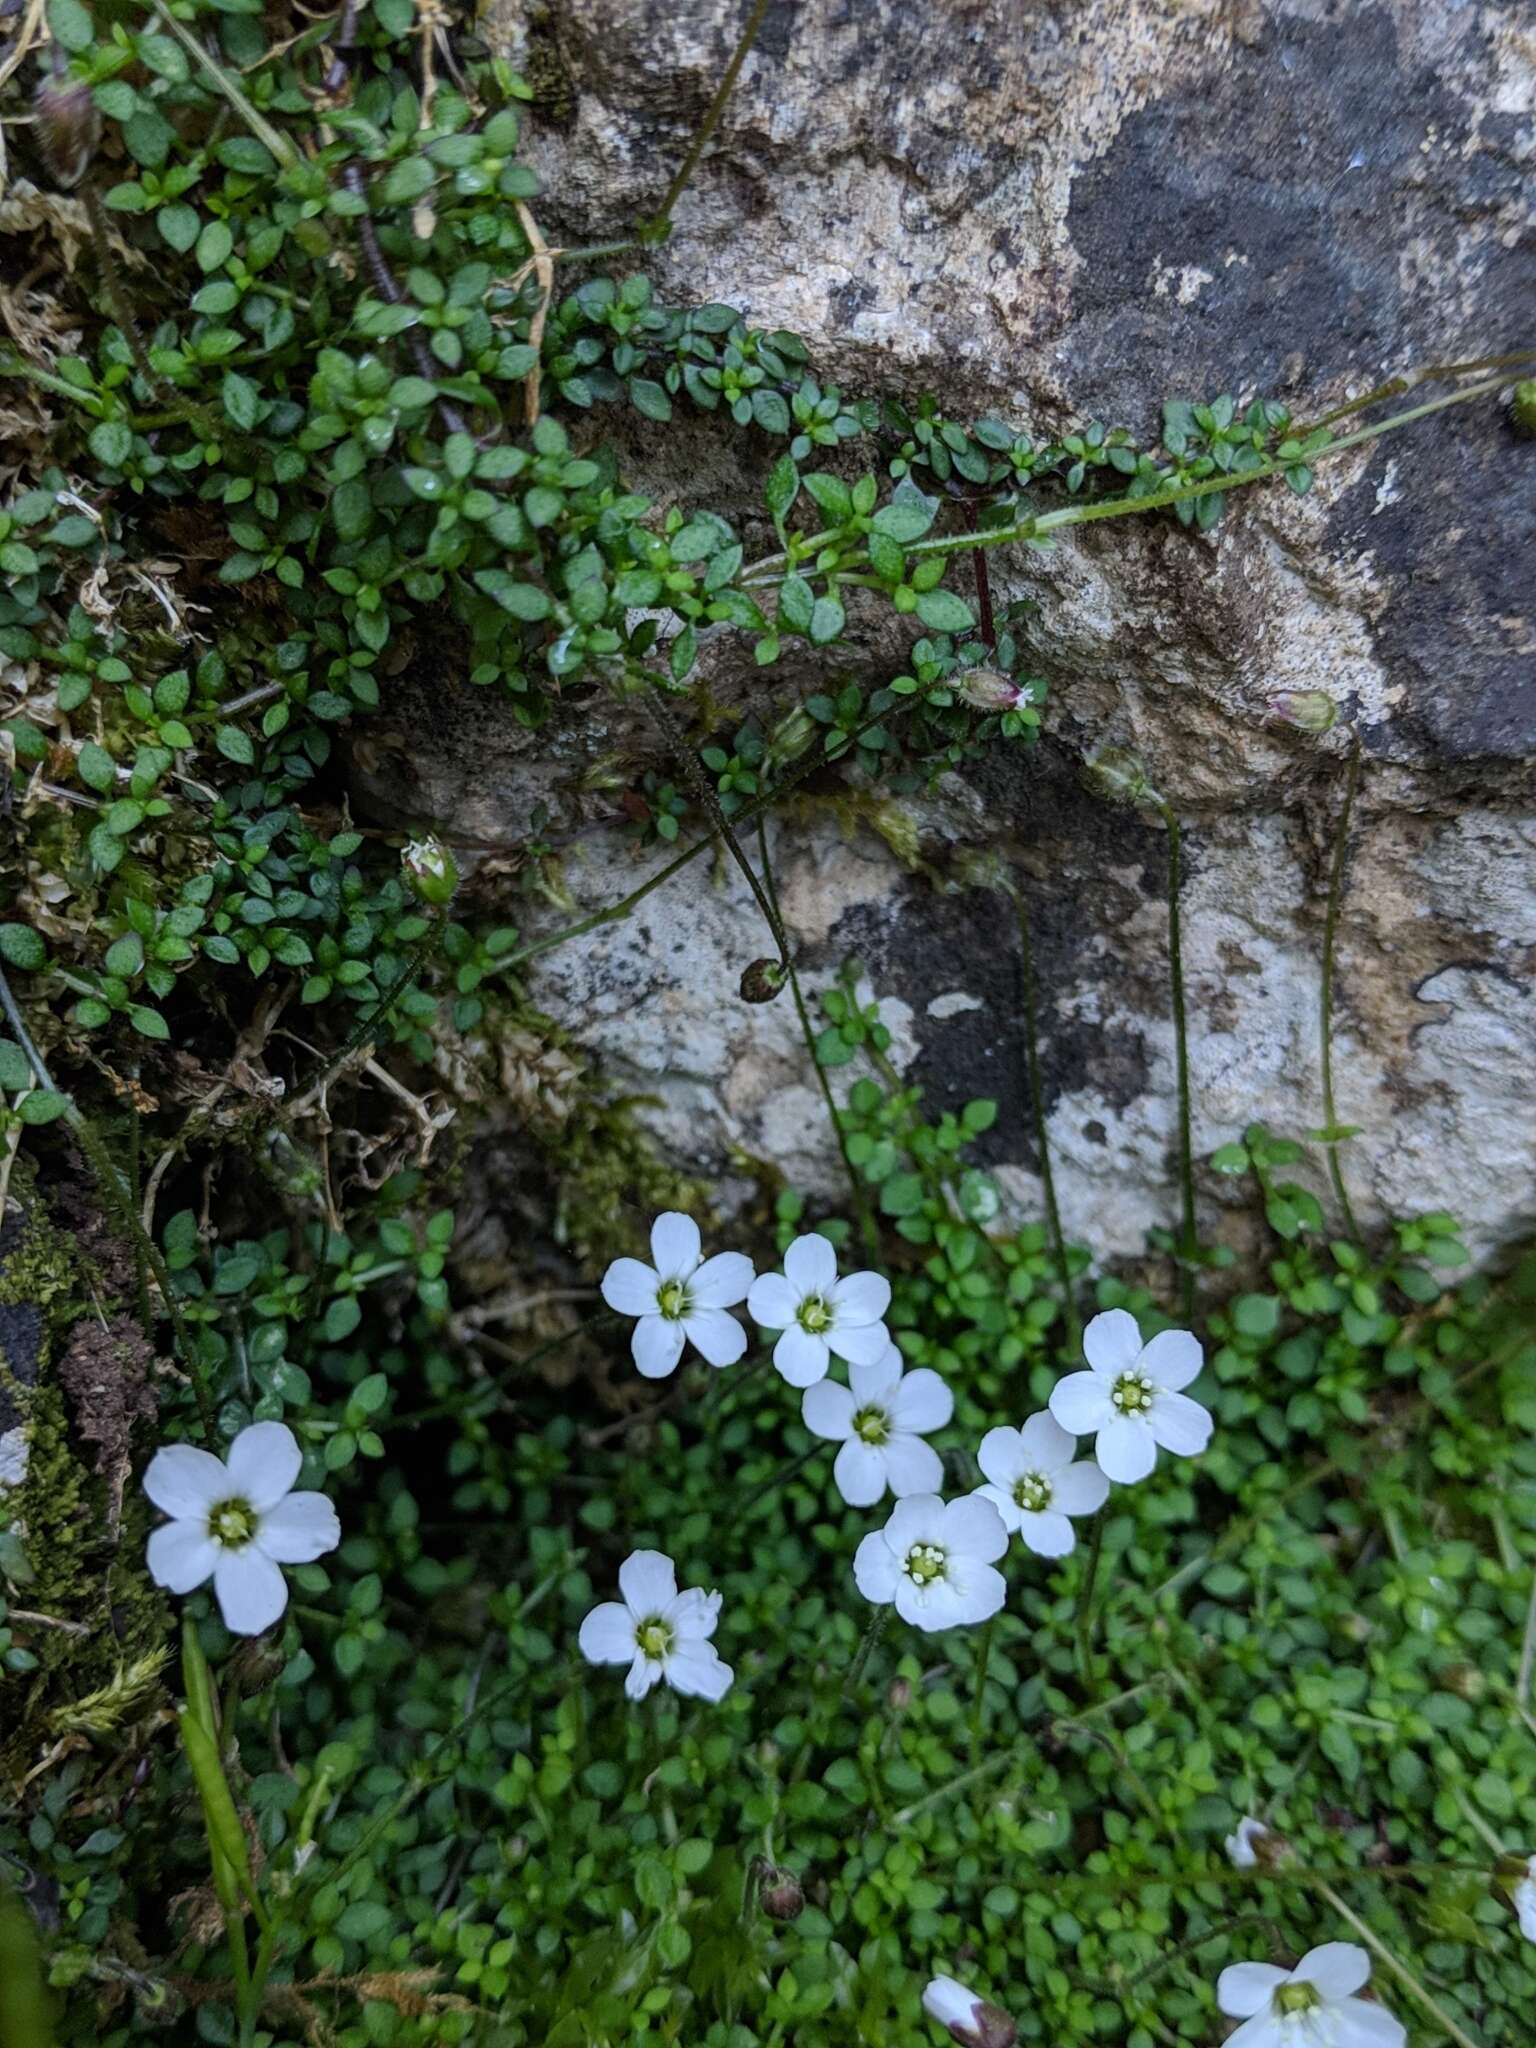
{"x":1047,"y":213}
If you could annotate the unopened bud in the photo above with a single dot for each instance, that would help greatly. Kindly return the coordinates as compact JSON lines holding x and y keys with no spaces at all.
{"x":780,"y":1893}
{"x":1253,"y":1846}
{"x":256,"y":1664}
{"x":606,"y":772}
{"x":68,"y":126}
{"x":1465,"y":1680}
{"x":761,"y":982}
{"x":790,"y":738}
{"x":899,"y":1698}
{"x":430,"y":869}
{"x":1311,"y":710}
{"x":988,"y":689}
{"x":1118,"y":776}
{"x":972,"y":2021}
{"x":1522,"y":407}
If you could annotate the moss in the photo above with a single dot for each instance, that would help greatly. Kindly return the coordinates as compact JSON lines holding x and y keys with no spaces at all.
{"x":544,"y":67}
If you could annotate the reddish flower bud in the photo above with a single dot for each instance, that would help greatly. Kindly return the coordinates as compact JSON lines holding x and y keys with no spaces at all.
{"x":972,"y":2021}
{"x":761,"y":982}
{"x":1311,"y":710}
{"x":68,"y":126}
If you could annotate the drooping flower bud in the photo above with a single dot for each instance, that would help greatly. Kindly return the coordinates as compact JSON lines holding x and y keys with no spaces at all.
{"x":972,"y":2021}
{"x":1522,"y":407}
{"x":431,"y":870}
{"x":1252,"y":1846}
{"x":780,"y":1893}
{"x":761,"y":982}
{"x":791,"y":737}
{"x":1120,"y":777}
{"x":1463,"y":1679}
{"x":988,"y":689}
{"x":1311,"y":710}
{"x":68,"y":125}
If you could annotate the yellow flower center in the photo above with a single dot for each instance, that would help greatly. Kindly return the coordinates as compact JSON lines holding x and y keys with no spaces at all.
{"x":1132,"y":1393}
{"x":653,"y":1639}
{"x":873,"y":1425}
{"x":672,"y":1300}
{"x":925,"y":1563}
{"x":1298,"y":1997}
{"x":232,"y":1523}
{"x":815,"y":1315}
{"x":1032,"y":1492}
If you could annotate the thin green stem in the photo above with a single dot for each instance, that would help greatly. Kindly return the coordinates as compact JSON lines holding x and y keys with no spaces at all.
{"x":1431,"y":373}
{"x":1188,"y":1241}
{"x":279,"y":145}
{"x":1083,"y":1617}
{"x":1404,"y":1976}
{"x":1030,"y":1012}
{"x":878,"y":1621}
{"x":1325,"y":1003}
{"x":951,"y":1787}
{"x":979,"y":1695}
{"x":782,"y":1477}
{"x":1476,"y":1822}
{"x":661,"y":226}
{"x":1527,"y":1671}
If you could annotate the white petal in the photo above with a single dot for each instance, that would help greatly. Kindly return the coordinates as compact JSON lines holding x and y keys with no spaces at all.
{"x":608,"y":1634}
{"x":648,"y":1581}
{"x":1240,"y":1844}
{"x":1111,"y":1343}
{"x":1525,"y":1906}
{"x":1047,"y":1534}
{"x":949,"y":2003}
{"x":1243,"y":1989}
{"x":716,"y":1335}
{"x":878,"y":1379}
{"x":917,"y":1519}
{"x":656,"y":1345}
{"x":1081,"y":1403}
{"x":1337,"y":1968}
{"x":630,"y":1288}
{"x":1179,"y":1424}
{"x":772,"y":1302}
{"x":1002,"y":1499}
{"x":1047,"y":1446}
{"x":181,"y":1555}
{"x":973,"y":1528}
{"x":252,"y":1591}
{"x":911,"y":1466}
{"x":859,"y":1343}
{"x":858,"y":1472}
{"x":1081,"y":1490}
{"x":923,"y":1402}
{"x":969,"y":1592}
{"x":185,"y":1481}
{"x":264,"y":1462}
{"x":862,"y":1298}
{"x":696,"y":1671}
{"x":1001,"y":1457}
{"x":302,"y":1527}
{"x":1363,"y":2024}
{"x":810,"y":1265}
{"x":721,"y":1282}
{"x":1126,"y":1449}
{"x":1267,"y":2030}
{"x":801,"y":1358}
{"x":641,"y":1676}
{"x":693,"y":1614}
{"x":675,"y":1246}
{"x":1173,"y":1359}
{"x":827,"y":1410}
{"x":875,"y":1570}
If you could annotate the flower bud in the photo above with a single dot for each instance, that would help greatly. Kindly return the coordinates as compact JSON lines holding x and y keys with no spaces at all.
{"x":430,"y":869}
{"x":1465,"y":1680}
{"x":761,"y":982}
{"x":1522,"y":407}
{"x":779,"y":1892}
{"x":899,"y":1698}
{"x":1118,"y":776}
{"x":971,"y":2021}
{"x":790,"y":738}
{"x":1253,"y":1846}
{"x":68,"y":126}
{"x":988,"y":689}
{"x":256,"y":1664}
{"x":1311,"y":710}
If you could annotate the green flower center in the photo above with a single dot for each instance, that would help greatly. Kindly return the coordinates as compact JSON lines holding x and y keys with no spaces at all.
{"x":1297,"y":1998}
{"x":925,"y":1563}
{"x":815,"y":1315}
{"x":653,"y":1639}
{"x":672,"y":1300}
{"x":873,"y":1425}
{"x":1132,"y":1393}
{"x":1032,"y":1492}
{"x":232,"y":1523}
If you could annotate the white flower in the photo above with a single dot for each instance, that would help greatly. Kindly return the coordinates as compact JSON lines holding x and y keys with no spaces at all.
{"x":935,"y":1560}
{"x":1130,"y":1399}
{"x":818,"y":1313}
{"x":972,"y":2021}
{"x":235,"y":1520}
{"x":1035,"y":1486}
{"x":1312,"y":2006}
{"x":881,"y":1418}
{"x":1525,"y":1901}
{"x":1242,"y":1846}
{"x":658,"y":1632}
{"x":682,"y":1299}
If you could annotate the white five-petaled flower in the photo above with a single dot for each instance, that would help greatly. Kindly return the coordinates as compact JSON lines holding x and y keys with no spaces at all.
{"x":1242,"y":1846}
{"x":1130,"y":1399}
{"x":682,"y":1299}
{"x":936,"y":1560}
{"x":880,"y":1418}
{"x":1034,"y":1485}
{"x":819,"y":1314}
{"x":1525,"y":1901}
{"x":1312,"y":2006}
{"x":235,"y":1520}
{"x":658,"y":1632}
{"x":973,"y":2022}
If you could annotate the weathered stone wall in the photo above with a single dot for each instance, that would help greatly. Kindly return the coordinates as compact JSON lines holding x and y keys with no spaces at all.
{"x":1050,"y":212}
